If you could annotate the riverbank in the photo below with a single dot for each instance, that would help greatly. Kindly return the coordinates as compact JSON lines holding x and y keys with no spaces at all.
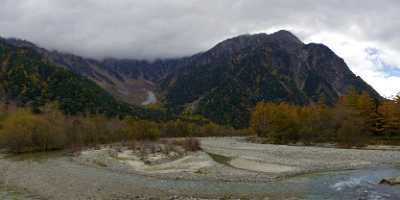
{"x":231,"y":167}
{"x":284,"y":160}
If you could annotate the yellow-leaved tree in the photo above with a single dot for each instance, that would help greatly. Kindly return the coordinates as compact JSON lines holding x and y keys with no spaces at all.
{"x":23,"y":131}
{"x":390,"y":111}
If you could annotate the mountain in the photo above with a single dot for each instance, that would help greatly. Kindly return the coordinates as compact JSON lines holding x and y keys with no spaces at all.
{"x":28,"y":78}
{"x":127,"y":79}
{"x":225,"y":82}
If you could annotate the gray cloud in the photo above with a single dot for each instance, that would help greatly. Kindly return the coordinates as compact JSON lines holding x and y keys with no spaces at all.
{"x":148,"y":29}
{"x":170,"y":28}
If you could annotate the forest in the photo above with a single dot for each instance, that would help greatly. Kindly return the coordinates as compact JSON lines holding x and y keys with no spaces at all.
{"x":45,"y":107}
{"x":355,"y":120}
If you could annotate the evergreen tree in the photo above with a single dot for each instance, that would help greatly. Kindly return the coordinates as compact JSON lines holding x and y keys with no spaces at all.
{"x":390,"y":111}
{"x":367,"y":108}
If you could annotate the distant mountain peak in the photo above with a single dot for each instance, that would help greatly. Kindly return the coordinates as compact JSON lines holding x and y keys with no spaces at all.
{"x":19,"y":42}
{"x":283,"y":39}
{"x":286,"y":36}
{"x":227,"y":81}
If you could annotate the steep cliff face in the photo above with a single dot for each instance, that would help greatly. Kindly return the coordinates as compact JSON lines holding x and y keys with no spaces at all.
{"x":225,"y":82}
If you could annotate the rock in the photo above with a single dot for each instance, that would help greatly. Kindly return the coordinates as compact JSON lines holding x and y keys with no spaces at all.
{"x":392,"y":181}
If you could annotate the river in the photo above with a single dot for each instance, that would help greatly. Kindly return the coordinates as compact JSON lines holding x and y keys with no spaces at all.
{"x":349,"y":184}
{"x":58,"y":177}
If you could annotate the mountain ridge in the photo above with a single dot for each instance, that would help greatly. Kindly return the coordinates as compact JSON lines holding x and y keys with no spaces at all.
{"x":225,"y":82}
{"x":28,"y":79}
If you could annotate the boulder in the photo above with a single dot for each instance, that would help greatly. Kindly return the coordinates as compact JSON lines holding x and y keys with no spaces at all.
{"x":392,"y":181}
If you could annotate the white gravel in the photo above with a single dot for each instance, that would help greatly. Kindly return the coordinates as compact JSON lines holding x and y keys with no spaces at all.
{"x":284,"y":160}
{"x":60,"y":177}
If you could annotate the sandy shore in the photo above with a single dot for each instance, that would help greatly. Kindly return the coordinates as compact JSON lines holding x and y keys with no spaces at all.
{"x":227,"y":159}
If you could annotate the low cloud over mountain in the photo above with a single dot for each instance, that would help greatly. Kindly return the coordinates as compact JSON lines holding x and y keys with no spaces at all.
{"x":174,"y":28}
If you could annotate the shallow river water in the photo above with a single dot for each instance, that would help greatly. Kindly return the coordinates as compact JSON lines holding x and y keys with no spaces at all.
{"x":350,"y":184}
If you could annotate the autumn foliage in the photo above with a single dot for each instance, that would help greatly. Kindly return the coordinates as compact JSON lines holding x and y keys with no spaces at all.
{"x":22,"y":130}
{"x":390,"y":115}
{"x":354,"y":121}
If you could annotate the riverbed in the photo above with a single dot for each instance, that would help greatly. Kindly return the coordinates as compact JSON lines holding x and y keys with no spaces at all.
{"x":59,"y":177}
{"x":7,"y":193}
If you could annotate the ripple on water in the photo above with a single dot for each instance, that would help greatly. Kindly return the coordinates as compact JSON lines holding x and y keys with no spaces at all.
{"x":352,"y":182}
{"x":363,"y":184}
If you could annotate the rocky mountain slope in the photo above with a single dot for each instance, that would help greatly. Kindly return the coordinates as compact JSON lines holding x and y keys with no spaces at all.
{"x":225,"y":82}
{"x":28,"y":78}
{"x":128,"y":80}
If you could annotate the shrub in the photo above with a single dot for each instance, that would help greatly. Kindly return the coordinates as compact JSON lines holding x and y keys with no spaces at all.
{"x":212,"y":129}
{"x":192,"y":144}
{"x":83,"y":131}
{"x":180,"y":128}
{"x":24,"y":132}
{"x":350,"y":134}
{"x":189,"y":144}
{"x":351,"y":130}
{"x":141,"y":130}
{"x":94,"y":130}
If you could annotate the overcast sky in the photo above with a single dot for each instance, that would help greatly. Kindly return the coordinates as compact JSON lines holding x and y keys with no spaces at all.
{"x":364,"y":32}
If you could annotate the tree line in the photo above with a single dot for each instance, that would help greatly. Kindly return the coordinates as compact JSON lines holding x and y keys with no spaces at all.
{"x":355,"y":120}
{"x":22,"y":130}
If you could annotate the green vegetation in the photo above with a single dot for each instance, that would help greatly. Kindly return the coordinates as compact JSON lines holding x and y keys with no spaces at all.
{"x":220,"y":159}
{"x":23,"y":131}
{"x":225,"y":83}
{"x":141,"y":130}
{"x":28,"y":79}
{"x":356,"y":120}
{"x":46,"y":107}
